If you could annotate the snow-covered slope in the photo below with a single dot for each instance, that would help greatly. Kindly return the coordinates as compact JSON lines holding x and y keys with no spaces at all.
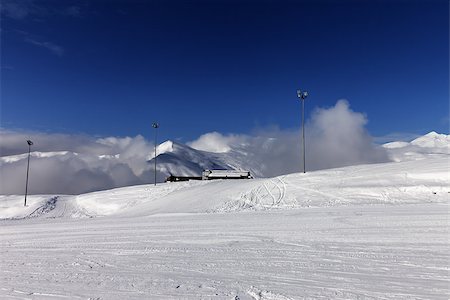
{"x":416,"y":181}
{"x":377,"y":231}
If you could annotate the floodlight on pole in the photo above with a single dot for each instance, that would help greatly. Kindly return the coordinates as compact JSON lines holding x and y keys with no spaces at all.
{"x":156,"y":126}
{"x":28,"y":170}
{"x":302,"y":96}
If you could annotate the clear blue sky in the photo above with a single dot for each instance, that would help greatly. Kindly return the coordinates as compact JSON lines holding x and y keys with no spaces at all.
{"x":111,"y":68}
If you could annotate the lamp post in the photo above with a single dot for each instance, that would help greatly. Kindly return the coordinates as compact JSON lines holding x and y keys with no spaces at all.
{"x":28,"y":169}
{"x":156,"y":126}
{"x":302,"y":96}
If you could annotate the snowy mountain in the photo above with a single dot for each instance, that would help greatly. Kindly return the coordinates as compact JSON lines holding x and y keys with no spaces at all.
{"x":68,"y":172}
{"x":429,"y":145}
{"x":181,"y":160}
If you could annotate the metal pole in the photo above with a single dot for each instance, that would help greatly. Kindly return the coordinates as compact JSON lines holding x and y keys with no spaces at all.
{"x":303,"y":134}
{"x":28,"y":170}
{"x":156,"y":135}
{"x":155,"y":125}
{"x":302,"y":96}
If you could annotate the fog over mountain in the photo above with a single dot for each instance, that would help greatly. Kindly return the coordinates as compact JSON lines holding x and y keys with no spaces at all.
{"x":73,"y":164}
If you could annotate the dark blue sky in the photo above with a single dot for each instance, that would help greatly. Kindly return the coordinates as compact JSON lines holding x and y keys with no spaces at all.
{"x":113,"y":67}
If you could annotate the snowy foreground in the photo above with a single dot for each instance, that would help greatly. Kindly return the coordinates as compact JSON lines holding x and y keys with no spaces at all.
{"x":362,"y":232}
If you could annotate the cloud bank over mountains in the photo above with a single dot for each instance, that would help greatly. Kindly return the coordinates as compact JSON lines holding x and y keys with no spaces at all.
{"x":335,"y":137}
{"x":73,"y":164}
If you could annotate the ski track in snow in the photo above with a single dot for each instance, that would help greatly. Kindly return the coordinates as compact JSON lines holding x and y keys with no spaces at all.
{"x":349,"y":252}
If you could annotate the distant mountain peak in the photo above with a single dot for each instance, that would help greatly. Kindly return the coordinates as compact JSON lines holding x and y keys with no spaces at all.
{"x":181,"y":160}
{"x":165,"y":147}
{"x":433,"y":139}
{"x":431,"y":144}
{"x":432,"y":134}
{"x":170,"y":147}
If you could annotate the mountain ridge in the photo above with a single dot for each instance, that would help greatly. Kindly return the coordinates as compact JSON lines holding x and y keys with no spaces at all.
{"x":171,"y":154}
{"x":68,"y":172}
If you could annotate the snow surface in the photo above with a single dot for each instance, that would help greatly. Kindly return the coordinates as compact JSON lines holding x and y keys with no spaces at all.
{"x":343,"y":252}
{"x":378,"y":231}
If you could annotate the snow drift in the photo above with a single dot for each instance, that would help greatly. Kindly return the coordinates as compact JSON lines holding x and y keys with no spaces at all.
{"x":418,"y":181}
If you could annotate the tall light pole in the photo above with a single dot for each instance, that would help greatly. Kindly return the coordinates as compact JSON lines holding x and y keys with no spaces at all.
{"x":156,"y":126}
{"x":302,"y":96}
{"x":28,"y":169}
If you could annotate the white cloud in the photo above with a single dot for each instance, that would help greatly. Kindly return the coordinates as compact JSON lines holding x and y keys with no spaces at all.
{"x":24,"y":9}
{"x":18,"y":10}
{"x":14,"y":142}
{"x":335,"y":137}
{"x":74,"y":11}
{"x":55,"y":49}
{"x":81,"y":169}
{"x":396,"y":136}
{"x":216,"y":142}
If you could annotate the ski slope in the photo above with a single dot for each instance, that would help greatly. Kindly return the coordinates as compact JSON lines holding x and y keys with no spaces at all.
{"x":377,"y":231}
{"x":418,"y":181}
{"x":371,"y":232}
{"x":341,"y":252}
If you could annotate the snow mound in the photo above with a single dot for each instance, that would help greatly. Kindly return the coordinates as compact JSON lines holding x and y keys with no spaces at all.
{"x":391,"y":183}
{"x":139,"y":198}
{"x":416,"y":181}
{"x":40,"y":206}
{"x":12,"y":207}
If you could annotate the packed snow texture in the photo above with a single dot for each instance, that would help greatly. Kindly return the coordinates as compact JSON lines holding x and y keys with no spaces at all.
{"x":67,"y":164}
{"x":345,"y":252}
